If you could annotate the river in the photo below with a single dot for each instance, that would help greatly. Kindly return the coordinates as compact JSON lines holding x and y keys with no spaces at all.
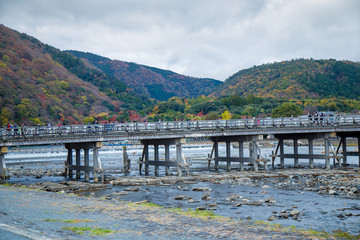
{"x":317,"y":212}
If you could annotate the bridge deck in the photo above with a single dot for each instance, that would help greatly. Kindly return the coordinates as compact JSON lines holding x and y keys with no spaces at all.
{"x":44,"y":135}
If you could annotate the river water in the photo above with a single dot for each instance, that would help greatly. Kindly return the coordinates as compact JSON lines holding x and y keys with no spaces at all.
{"x":317,"y":212}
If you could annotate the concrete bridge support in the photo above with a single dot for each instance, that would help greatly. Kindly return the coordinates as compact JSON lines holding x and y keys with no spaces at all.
{"x":296,"y":155}
{"x":167,"y":163}
{"x":3,"y":172}
{"x":78,"y":167}
{"x":253,"y":149}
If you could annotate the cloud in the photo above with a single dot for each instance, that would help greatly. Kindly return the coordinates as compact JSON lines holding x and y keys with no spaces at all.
{"x":203,"y":38}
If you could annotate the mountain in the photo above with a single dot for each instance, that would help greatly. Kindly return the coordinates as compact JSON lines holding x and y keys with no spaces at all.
{"x":39,"y":83}
{"x":296,"y":79}
{"x":151,"y":82}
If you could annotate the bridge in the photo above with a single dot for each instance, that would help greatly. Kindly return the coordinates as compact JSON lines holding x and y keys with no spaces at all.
{"x":83,"y":138}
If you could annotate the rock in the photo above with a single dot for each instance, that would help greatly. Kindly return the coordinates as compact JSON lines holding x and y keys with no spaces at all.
{"x":263,"y":192}
{"x":272,"y":218}
{"x":152,"y":181}
{"x":132,"y":189}
{"x":212,"y":205}
{"x":238,"y":204}
{"x":128,"y":182}
{"x":233,"y":197}
{"x":254,"y":203}
{"x":182,"y":188}
{"x":180,"y":197}
{"x":201,"y":208}
{"x":270,"y":200}
{"x":170,"y":181}
{"x":119,"y":193}
{"x":206,"y":196}
{"x":200,"y":189}
{"x":67,"y":186}
{"x":283,"y":215}
{"x":348,"y":214}
{"x":332,"y":192}
{"x":265,"y":186}
{"x":294,"y":213}
{"x":191,"y":200}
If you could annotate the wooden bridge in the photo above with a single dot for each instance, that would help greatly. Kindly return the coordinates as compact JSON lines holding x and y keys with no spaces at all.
{"x":83,"y":138}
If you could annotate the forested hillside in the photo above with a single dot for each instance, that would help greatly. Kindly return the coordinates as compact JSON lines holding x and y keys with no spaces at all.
{"x":152,"y":82}
{"x":39,"y":83}
{"x":296,"y":79}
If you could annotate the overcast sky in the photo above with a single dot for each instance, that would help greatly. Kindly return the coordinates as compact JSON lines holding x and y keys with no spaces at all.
{"x":201,"y":38}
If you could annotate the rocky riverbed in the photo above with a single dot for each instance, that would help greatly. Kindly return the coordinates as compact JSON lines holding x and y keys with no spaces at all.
{"x":344,"y":182}
{"x":281,"y":196}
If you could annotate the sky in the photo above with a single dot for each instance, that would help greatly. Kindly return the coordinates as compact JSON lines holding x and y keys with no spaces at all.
{"x":199,"y":38}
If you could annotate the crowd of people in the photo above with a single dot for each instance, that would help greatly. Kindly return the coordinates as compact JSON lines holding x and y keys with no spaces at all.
{"x":322,"y":118}
{"x":317,"y":118}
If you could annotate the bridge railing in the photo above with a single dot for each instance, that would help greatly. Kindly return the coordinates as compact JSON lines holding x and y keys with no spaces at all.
{"x":182,"y":125}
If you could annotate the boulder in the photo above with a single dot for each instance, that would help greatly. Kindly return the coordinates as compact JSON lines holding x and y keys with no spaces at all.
{"x":272,"y":218}
{"x":201,"y":208}
{"x":270,"y":200}
{"x":200,"y":189}
{"x":294,"y":213}
{"x":233,"y":197}
{"x":213,"y":205}
{"x":332,"y":192}
{"x":283,"y":215}
{"x":254,"y":203}
{"x":132,"y":189}
{"x":180,"y":197}
{"x":206,"y":196}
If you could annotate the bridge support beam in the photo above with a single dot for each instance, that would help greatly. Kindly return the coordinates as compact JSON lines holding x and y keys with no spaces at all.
{"x":78,"y":167}
{"x":311,"y":152}
{"x":167,"y":163}
{"x":253,"y":149}
{"x":3,"y":172}
{"x":343,"y":144}
{"x":296,"y":156}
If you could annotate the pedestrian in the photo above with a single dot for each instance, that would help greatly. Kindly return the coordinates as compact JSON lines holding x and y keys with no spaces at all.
{"x":310,"y":118}
{"x":16,"y":129}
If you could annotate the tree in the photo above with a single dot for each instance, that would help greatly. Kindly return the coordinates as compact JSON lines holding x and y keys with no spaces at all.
{"x":287,"y":109}
{"x":212,"y":116}
{"x":250,"y":111}
{"x":236,"y":116}
{"x":226,"y":115}
{"x":88,"y":120}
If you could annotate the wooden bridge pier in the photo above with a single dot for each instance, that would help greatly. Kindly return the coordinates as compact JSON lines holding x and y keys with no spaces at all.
{"x":167,"y":163}
{"x":240,"y":159}
{"x":3,"y":172}
{"x":310,"y":137}
{"x":70,"y":166}
{"x":343,"y":143}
